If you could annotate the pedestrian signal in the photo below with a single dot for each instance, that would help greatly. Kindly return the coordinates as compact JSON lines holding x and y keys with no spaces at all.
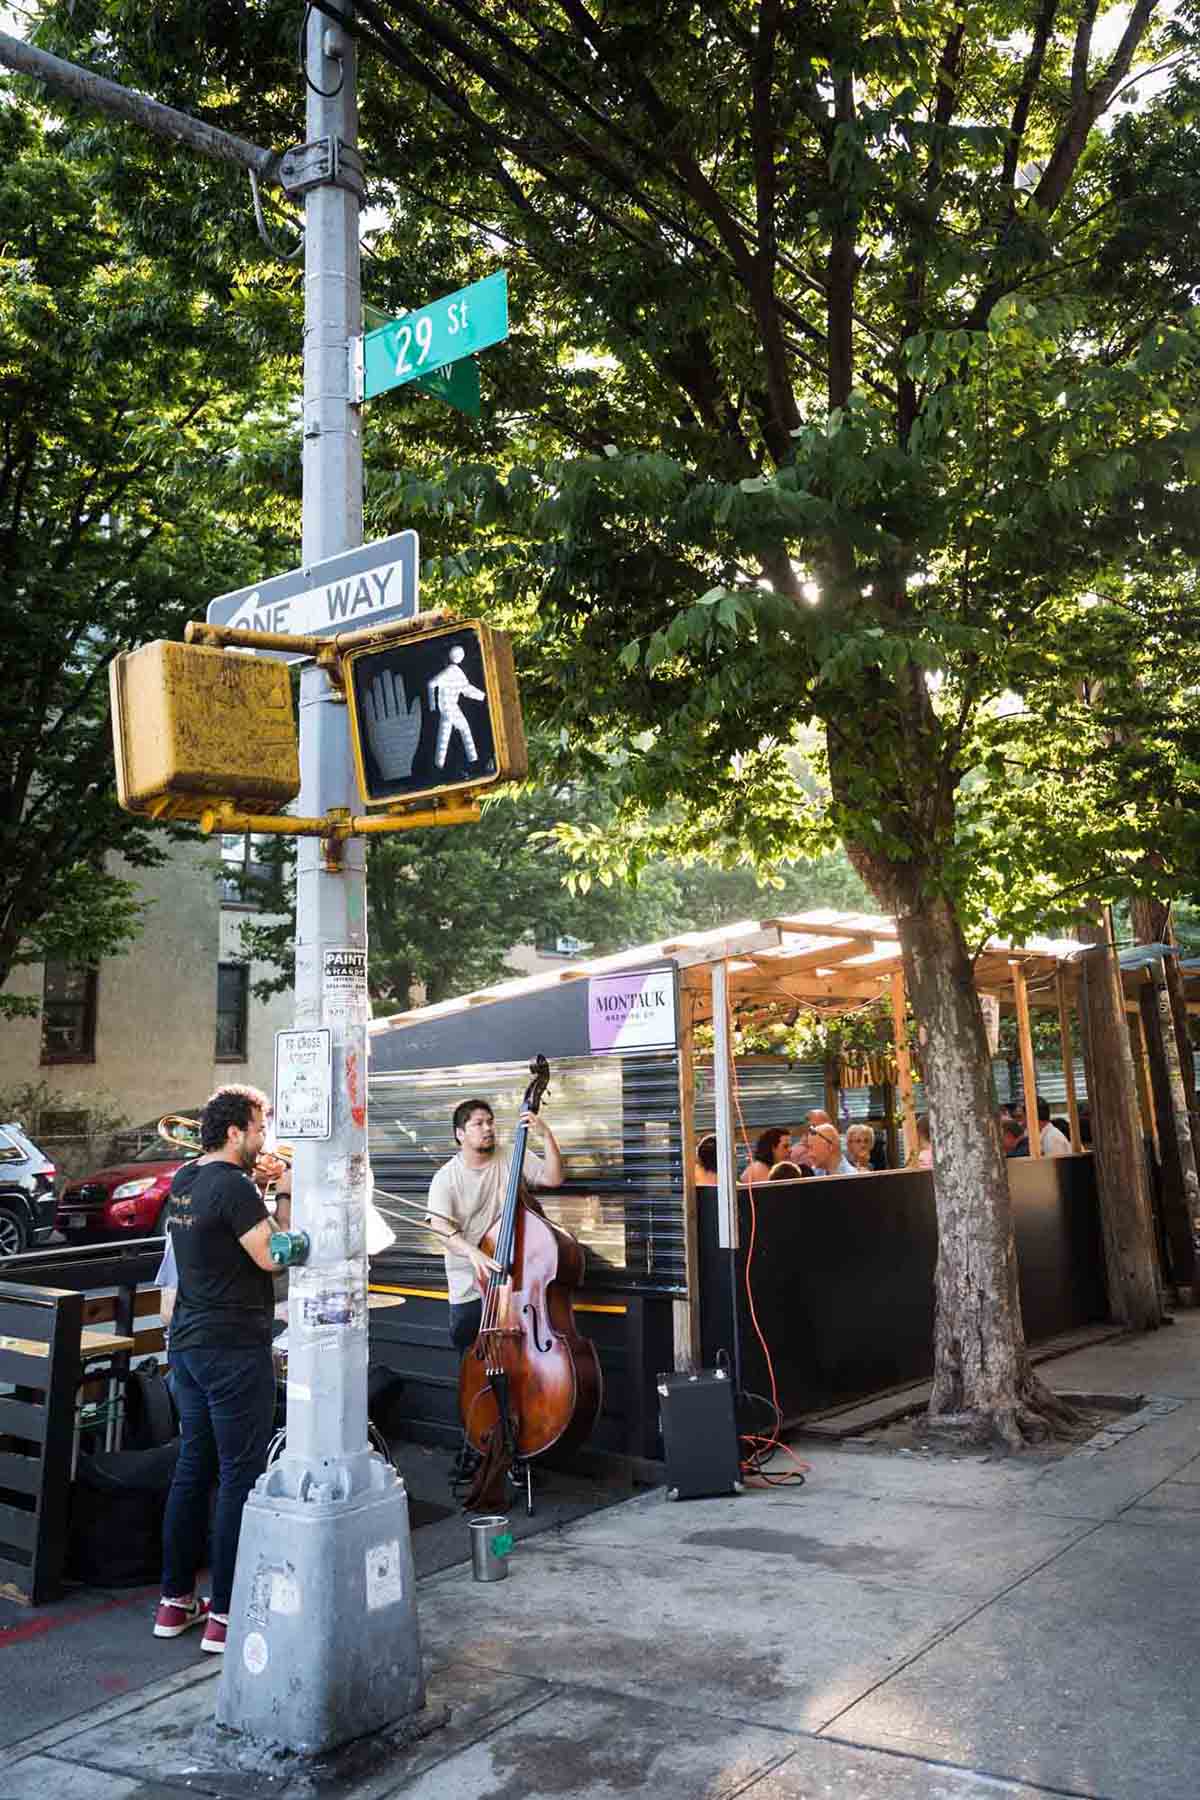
{"x":434,"y":712}
{"x":193,"y":726}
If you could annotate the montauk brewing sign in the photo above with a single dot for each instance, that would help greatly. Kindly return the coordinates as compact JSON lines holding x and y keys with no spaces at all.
{"x":634,"y":1010}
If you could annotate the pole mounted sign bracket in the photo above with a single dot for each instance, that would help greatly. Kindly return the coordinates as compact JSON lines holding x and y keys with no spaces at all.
{"x":324,"y":162}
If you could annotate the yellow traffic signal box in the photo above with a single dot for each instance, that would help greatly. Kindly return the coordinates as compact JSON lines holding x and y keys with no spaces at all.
{"x":191,"y":724}
{"x":434,"y":712}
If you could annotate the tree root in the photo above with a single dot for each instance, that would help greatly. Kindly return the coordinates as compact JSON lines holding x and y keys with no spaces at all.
{"x":1037,"y":1416}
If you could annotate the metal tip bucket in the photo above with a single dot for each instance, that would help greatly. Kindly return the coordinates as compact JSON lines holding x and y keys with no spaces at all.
{"x":491,"y":1544}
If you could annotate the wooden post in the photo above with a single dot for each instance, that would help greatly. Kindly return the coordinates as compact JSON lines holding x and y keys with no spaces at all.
{"x":912,"y":1143}
{"x":1141,"y":1068}
{"x":833,"y":1092}
{"x":1033,"y":1125}
{"x":687,"y":1310}
{"x":1068,"y":1060}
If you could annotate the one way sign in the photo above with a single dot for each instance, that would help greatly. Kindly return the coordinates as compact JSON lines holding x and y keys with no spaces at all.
{"x":359,"y":587}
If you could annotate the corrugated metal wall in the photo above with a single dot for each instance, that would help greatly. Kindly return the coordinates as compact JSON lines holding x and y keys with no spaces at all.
{"x":616,"y":1120}
{"x":781,"y":1094}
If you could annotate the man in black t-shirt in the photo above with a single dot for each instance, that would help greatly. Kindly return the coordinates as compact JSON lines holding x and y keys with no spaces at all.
{"x":221,"y":1317}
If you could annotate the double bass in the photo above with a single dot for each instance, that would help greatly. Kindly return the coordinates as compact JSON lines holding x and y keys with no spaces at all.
{"x":530,"y":1381}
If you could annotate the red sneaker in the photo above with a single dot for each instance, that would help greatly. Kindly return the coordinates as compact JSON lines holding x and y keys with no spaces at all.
{"x":174,"y":1617}
{"x":214,"y":1634}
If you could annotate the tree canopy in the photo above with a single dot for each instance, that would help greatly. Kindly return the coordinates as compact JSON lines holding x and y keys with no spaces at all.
{"x":841,"y":363}
{"x":854,"y":359}
{"x":137,"y":474}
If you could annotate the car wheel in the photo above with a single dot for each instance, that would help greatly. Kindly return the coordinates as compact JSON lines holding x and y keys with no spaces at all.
{"x":14,"y":1232}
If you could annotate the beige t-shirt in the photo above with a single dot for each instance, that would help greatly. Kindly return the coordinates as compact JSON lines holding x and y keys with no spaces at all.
{"x":474,"y":1199}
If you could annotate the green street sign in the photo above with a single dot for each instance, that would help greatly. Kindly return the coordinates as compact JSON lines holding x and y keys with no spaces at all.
{"x":457,"y":384}
{"x":423,"y":342}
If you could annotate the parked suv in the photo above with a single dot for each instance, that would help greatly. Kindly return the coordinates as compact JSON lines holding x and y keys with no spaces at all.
{"x":126,"y":1200}
{"x":26,"y":1192}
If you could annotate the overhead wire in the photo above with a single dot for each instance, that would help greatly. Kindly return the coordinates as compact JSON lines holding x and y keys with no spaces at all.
{"x":302,"y":57}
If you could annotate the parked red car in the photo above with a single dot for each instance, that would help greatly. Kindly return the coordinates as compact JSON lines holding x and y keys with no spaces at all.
{"x":125,"y":1200}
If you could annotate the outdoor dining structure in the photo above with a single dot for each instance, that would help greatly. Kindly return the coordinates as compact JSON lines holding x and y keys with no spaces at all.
{"x":814,"y":1293}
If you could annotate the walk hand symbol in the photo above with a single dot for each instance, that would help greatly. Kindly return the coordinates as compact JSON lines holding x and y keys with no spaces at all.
{"x":393,"y":725}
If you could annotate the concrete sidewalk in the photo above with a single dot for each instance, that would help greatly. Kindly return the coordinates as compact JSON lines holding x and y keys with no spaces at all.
{"x":901,"y":1628}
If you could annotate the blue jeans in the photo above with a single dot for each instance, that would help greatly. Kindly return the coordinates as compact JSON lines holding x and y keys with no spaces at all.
{"x":226,"y":1401}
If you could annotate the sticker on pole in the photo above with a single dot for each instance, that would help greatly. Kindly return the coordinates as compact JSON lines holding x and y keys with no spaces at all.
{"x":303,"y":1084}
{"x":385,"y":1575}
{"x":344,"y":987}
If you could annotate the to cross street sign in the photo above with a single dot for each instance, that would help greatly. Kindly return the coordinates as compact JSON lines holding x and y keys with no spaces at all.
{"x":359,"y":587}
{"x":442,"y":332}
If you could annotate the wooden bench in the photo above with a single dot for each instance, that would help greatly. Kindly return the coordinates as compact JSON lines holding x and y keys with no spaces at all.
{"x":40,"y":1367}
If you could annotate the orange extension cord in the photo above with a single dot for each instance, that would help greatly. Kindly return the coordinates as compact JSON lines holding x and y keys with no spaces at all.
{"x":754,"y":1449}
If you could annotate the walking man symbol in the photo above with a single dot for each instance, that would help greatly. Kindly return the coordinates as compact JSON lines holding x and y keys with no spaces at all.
{"x":446,"y":692}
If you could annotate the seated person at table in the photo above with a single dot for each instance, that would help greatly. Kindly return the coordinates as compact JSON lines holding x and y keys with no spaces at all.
{"x":787,"y":1171}
{"x":1053,"y":1141}
{"x":705,"y":1174}
{"x":860,"y":1141}
{"x":773,"y":1145}
{"x":924,"y":1143}
{"x":822,"y":1151}
{"x":1013,"y":1140}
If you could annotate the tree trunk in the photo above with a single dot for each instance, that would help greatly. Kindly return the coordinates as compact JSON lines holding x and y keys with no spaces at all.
{"x":1152,"y":925}
{"x":1175,"y":1131}
{"x":1129,"y":1255}
{"x":983,"y":1384}
{"x":1183,"y":1046}
{"x":1175,"y":1234}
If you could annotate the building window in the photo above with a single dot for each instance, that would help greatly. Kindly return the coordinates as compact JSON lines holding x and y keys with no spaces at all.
{"x":250,"y":874}
{"x":68,"y":1013}
{"x":233,"y":988}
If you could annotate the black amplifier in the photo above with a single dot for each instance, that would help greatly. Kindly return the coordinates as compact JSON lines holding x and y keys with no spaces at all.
{"x":700,"y":1441}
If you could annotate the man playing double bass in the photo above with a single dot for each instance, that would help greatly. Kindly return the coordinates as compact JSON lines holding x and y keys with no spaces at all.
{"x":470,"y":1190}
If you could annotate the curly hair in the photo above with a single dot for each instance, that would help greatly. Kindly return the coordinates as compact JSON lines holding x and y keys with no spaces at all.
{"x":235,"y":1104}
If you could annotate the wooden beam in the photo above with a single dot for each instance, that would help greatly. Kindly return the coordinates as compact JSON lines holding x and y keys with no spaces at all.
{"x":1068,"y":1060}
{"x":904,"y":1081}
{"x":824,"y":956}
{"x":879,"y":962}
{"x":1033,"y":1125}
{"x":838,"y":924}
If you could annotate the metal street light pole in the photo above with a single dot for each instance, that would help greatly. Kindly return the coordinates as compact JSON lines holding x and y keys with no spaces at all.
{"x":323,"y":1643}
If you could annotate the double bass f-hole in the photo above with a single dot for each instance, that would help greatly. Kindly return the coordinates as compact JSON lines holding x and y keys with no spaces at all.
{"x":532,"y":1313}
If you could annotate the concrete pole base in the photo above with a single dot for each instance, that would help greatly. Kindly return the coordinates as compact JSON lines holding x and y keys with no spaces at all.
{"x":323,"y":1641}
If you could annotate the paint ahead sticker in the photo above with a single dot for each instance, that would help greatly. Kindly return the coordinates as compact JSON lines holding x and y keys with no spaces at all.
{"x":255,"y":1654}
{"x":385,"y":1583}
{"x":344,"y":999}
